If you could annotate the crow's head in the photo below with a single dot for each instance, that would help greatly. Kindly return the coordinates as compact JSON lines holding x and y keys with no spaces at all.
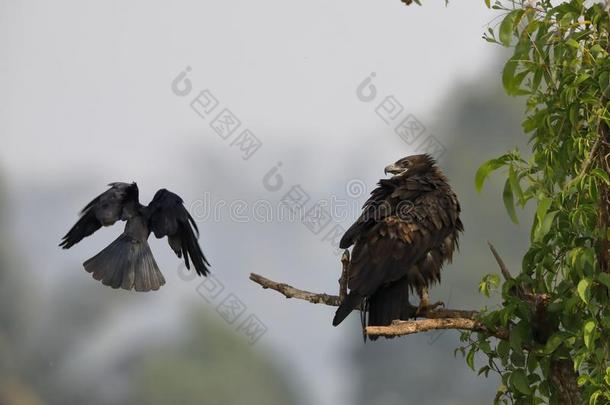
{"x":411,"y":165}
{"x":133,"y":193}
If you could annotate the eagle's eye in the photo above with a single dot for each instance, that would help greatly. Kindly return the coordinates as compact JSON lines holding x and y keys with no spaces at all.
{"x":405,"y":163}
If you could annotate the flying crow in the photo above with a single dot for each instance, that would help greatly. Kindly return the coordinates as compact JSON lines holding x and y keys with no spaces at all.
{"x":128,"y":262}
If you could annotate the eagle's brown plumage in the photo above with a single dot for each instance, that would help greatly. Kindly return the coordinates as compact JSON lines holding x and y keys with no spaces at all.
{"x":409,"y":227}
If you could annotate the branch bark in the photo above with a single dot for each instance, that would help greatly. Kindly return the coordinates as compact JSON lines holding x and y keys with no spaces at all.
{"x":439,"y":318}
{"x":564,"y":379}
{"x":501,"y":264}
{"x":291,"y":292}
{"x":402,"y":328}
{"x":436,"y":318}
{"x":344,"y":276}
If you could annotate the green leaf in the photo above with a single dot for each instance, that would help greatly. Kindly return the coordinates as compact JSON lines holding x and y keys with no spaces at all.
{"x":582,"y":258}
{"x":596,"y":49}
{"x":573,"y":43}
{"x":515,"y":185}
{"x":588,"y":333}
{"x":470,"y":358}
{"x":489,"y":282}
{"x":484,"y":369}
{"x":603,"y":80}
{"x":532,"y":363}
{"x":510,"y":79}
{"x":544,"y":226}
{"x":503,"y":350}
{"x":543,"y":206}
{"x":507,"y":27}
{"x":582,"y":380}
{"x":583,"y":289}
{"x":486,"y":168}
{"x":604,"y":278}
{"x":594,"y":397}
{"x":517,"y":358}
{"x":553,"y":343}
{"x":582,"y":77}
{"x":600,"y":174}
{"x":509,"y":202}
{"x":517,"y":334}
{"x":519,"y":381}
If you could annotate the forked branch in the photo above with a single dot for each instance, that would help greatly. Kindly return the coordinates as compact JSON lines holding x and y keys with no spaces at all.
{"x":438,"y":318}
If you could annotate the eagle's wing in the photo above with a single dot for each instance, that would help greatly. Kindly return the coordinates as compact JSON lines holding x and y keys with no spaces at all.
{"x":405,"y":245}
{"x":386,"y":253}
{"x":104,"y":210}
{"x":168,"y":217}
{"x":381,"y":205}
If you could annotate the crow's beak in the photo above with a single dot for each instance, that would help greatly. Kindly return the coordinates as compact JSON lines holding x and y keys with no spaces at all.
{"x":393,"y":169}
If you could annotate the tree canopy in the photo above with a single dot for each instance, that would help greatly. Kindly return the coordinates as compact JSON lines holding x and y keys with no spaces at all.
{"x":557,"y":307}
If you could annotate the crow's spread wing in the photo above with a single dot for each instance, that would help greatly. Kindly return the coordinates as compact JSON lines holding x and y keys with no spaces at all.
{"x":168,"y":217}
{"x":104,"y":210}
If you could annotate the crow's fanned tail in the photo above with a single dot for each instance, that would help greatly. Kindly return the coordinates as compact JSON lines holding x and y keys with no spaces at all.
{"x":128,"y":264}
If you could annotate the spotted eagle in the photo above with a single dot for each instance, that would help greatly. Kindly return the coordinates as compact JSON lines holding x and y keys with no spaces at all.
{"x":128,"y":262}
{"x":408,"y":228}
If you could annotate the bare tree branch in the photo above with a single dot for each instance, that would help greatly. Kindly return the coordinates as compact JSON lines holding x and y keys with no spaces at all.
{"x":290,"y":292}
{"x":439,"y":318}
{"x":402,"y":328}
{"x":333,"y":300}
{"x":503,"y":267}
{"x":433,"y":318}
{"x":344,"y":276}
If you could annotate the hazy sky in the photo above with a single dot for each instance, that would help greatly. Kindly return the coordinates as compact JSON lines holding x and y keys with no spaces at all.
{"x":87,"y":84}
{"x":86,"y":98}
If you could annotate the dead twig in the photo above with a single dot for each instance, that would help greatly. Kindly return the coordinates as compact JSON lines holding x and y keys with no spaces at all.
{"x":344,"y":276}
{"x":290,"y":292}
{"x":503,"y":267}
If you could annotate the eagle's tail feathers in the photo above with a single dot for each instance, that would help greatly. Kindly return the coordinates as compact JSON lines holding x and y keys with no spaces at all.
{"x":389,"y":303}
{"x":352,"y":300}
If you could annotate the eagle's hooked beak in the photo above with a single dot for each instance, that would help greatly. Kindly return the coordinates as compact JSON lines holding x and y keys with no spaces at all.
{"x":394,"y":169}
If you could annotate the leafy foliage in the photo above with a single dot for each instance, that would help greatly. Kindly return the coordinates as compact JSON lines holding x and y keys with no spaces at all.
{"x":557,"y":307}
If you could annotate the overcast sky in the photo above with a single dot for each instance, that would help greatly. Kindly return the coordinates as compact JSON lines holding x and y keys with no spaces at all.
{"x":86,"y":98}
{"x":86,"y":85}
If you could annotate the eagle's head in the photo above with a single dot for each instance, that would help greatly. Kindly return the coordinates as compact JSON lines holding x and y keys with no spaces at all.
{"x":411,"y":165}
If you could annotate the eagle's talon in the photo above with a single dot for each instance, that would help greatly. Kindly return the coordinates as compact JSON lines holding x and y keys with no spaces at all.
{"x":425,"y":307}
{"x":435,"y":306}
{"x":422,"y":308}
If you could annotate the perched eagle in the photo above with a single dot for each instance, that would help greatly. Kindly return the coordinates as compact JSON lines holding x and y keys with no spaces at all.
{"x":408,"y":228}
{"x":128,"y":261}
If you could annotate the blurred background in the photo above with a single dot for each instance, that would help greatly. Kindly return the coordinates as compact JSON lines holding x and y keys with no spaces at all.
{"x":94,"y":92}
